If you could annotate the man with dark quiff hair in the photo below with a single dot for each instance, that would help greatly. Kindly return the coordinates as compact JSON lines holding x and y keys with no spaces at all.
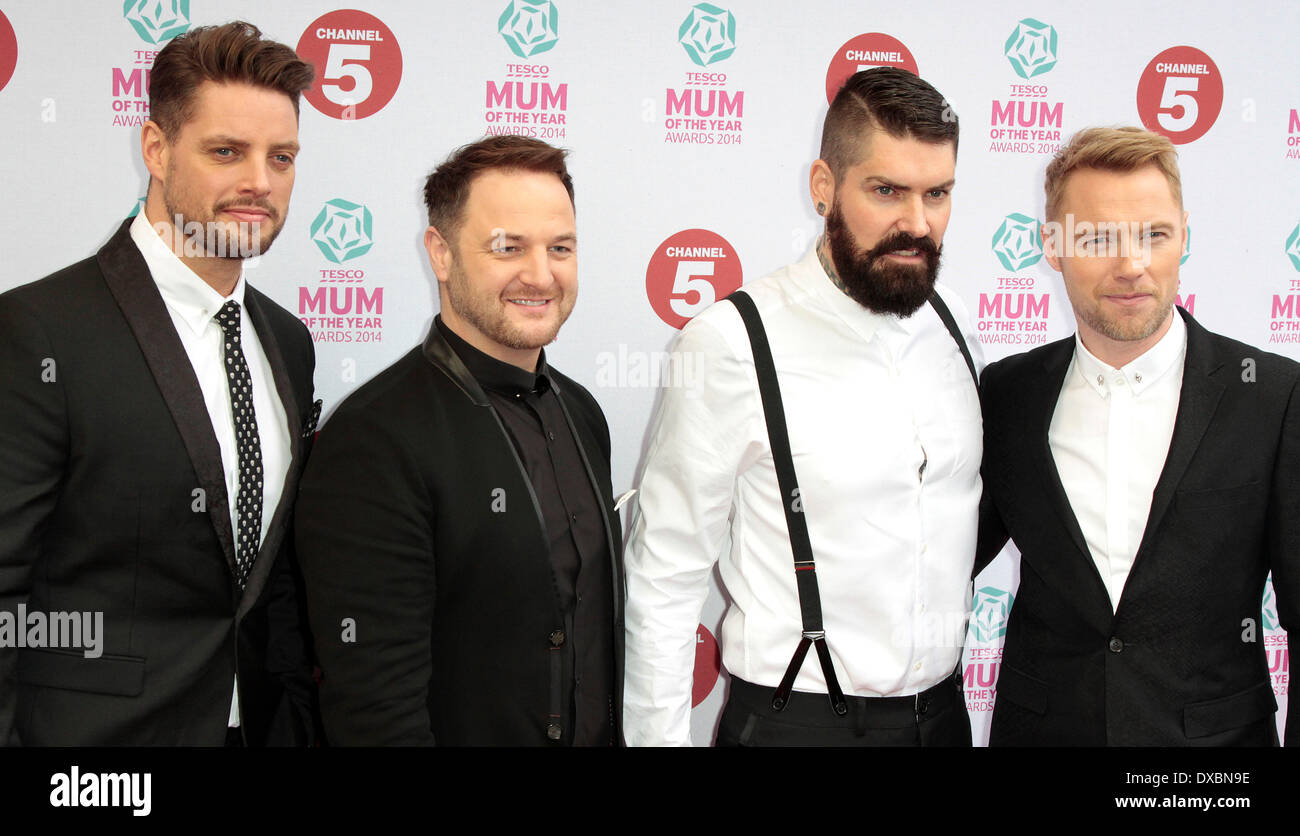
{"x":157,"y":413}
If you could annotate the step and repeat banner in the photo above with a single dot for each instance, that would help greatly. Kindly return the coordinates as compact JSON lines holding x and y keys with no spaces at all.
{"x":692,"y":127}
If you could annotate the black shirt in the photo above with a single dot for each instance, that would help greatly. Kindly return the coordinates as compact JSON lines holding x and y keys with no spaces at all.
{"x":534,"y":418}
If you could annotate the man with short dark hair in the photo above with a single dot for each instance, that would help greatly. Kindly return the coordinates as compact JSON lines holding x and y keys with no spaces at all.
{"x":458,"y":535}
{"x":1149,"y":472}
{"x":156,"y":414}
{"x":833,"y":441}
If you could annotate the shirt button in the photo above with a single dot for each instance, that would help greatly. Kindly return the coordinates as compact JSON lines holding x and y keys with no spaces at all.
{"x":550,"y":435}
{"x":917,"y":666}
{"x":557,"y":638}
{"x":1115,"y":645}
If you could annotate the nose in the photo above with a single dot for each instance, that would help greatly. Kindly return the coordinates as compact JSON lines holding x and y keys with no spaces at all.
{"x":536,"y":269}
{"x":1133,"y":264}
{"x":914,"y":220}
{"x":256,"y":179}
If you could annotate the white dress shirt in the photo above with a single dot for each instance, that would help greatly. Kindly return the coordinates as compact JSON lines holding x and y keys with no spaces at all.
{"x":192,"y":304}
{"x":868,"y":399}
{"x":1110,"y":436}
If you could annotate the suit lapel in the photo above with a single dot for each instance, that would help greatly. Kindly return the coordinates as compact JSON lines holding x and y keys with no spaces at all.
{"x":128,"y":279}
{"x":1042,"y":406}
{"x":1197,"y":403}
{"x":253,"y":302}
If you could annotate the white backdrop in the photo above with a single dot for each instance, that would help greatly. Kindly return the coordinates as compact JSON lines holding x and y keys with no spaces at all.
{"x":682,"y":118}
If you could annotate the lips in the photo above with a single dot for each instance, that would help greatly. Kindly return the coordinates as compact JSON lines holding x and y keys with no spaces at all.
{"x":1127,"y":299}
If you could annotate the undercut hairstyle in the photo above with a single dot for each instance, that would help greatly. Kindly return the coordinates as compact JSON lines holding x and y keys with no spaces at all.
{"x":1111,"y":149}
{"x":447,"y":189}
{"x":883,"y":99}
{"x":233,"y":53}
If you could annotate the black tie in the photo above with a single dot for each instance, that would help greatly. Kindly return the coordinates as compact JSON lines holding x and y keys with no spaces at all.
{"x":248,"y":506}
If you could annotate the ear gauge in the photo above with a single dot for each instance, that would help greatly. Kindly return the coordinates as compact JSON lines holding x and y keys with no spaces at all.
{"x":821,"y":208}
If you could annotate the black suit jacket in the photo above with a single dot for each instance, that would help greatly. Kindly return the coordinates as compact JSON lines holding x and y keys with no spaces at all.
{"x":112,"y":499}
{"x":433,"y":609}
{"x":1182,"y":661}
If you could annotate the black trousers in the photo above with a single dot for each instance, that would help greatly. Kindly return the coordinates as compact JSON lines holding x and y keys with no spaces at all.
{"x":935,"y":717}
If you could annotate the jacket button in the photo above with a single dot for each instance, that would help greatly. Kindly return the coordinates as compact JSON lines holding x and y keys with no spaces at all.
{"x":553,"y":731}
{"x":922,"y":705}
{"x":557,"y":638}
{"x":1116,"y":645}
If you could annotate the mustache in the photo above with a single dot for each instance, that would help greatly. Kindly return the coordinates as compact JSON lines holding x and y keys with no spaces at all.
{"x":263,"y":204}
{"x":903,"y":241}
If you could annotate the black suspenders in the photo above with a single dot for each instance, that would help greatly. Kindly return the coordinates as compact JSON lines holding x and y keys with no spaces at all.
{"x":805,"y":569}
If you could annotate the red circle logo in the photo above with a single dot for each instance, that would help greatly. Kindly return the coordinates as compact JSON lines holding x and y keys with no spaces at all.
{"x":358,"y":64}
{"x":8,"y":50}
{"x":708,"y":661}
{"x":1180,"y":94}
{"x":689,"y":271}
{"x":862,"y":52}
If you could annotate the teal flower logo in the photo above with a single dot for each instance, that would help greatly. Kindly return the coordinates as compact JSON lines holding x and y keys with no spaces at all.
{"x":157,"y":21}
{"x":342,"y":230}
{"x":989,"y":611}
{"x":530,"y":26}
{"x":708,"y":34}
{"x":1293,"y":247}
{"x":1031,"y":48}
{"x":1016,"y":242}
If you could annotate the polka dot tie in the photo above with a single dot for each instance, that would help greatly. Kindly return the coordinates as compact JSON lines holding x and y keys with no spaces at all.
{"x":248,"y":507}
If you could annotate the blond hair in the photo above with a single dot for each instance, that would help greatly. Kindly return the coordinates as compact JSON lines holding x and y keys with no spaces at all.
{"x":1111,"y":149}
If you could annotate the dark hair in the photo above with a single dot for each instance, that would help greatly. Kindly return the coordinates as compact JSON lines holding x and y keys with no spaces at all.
{"x":235,"y":52}
{"x":447,"y":188}
{"x":888,"y":99}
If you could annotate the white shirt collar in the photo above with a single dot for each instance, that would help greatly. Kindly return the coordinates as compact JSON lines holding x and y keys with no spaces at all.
{"x":812,"y":277}
{"x":182,"y":290}
{"x":1144,"y":371}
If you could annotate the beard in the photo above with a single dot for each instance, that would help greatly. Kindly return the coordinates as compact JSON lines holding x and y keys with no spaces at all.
{"x":203,"y":234}
{"x":1126,"y":329}
{"x":489,"y":313}
{"x":875,"y":283}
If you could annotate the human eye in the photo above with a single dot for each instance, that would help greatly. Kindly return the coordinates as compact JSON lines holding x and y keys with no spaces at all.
{"x":884,"y":191}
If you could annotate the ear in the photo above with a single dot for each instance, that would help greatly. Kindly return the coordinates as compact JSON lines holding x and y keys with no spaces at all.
{"x":154,"y":149}
{"x":440,"y":254}
{"x":1182,"y":245}
{"x":1053,"y":243}
{"x":821,"y":185}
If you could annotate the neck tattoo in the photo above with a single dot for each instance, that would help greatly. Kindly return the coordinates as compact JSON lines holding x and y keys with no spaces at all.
{"x":824,"y":256}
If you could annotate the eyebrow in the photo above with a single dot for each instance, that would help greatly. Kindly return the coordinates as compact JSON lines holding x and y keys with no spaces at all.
{"x":883,"y":181}
{"x":242,"y":143}
{"x":515,"y":238}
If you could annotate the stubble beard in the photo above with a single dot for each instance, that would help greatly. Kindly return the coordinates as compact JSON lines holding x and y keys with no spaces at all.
{"x":488,"y":316}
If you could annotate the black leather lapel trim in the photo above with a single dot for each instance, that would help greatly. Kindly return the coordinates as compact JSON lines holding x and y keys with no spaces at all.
{"x":129,"y":280}
{"x":437,"y":352}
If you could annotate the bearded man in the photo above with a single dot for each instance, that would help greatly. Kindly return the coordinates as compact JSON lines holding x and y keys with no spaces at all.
{"x":456,"y":526}
{"x":834,"y":436}
{"x":156,"y":413}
